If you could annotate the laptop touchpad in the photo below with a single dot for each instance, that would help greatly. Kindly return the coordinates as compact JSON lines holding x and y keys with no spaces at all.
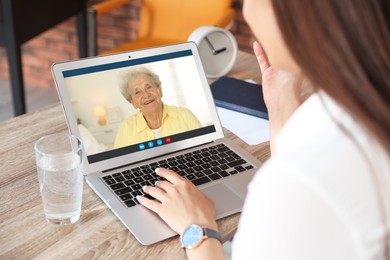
{"x":225,"y":201}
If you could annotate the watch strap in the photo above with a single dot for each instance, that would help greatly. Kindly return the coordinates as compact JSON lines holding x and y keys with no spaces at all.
{"x":212,"y":233}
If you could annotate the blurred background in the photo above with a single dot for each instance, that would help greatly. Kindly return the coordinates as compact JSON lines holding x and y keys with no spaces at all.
{"x":60,"y":43}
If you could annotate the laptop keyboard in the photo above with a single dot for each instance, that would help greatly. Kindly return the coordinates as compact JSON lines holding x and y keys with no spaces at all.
{"x":200,"y":167}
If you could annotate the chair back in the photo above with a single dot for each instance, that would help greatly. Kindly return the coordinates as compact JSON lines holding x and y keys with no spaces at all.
{"x":174,"y":20}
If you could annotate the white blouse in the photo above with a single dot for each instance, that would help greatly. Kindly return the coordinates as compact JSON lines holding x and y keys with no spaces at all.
{"x":317,"y":197}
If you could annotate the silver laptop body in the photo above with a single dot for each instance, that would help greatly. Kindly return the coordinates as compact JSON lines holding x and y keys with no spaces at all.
{"x":94,"y":109}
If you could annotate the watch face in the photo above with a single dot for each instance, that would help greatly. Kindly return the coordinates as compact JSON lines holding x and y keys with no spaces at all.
{"x":192,"y":236}
{"x":216,"y":50}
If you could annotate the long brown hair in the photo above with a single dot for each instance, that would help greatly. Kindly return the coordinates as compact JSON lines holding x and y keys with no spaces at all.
{"x":343,"y":47}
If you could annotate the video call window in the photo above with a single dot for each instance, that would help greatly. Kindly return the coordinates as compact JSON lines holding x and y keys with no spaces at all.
{"x":101,"y":109}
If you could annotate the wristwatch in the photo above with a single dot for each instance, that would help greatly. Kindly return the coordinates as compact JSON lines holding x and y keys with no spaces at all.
{"x":194,"y":235}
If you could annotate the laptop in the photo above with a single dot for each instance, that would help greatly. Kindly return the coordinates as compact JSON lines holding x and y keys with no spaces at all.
{"x":95,"y":109}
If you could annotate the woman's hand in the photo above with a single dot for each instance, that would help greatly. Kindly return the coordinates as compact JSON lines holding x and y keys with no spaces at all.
{"x":281,"y":92}
{"x":180,"y":203}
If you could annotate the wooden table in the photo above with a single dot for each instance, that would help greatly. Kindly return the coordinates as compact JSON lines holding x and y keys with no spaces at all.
{"x":24,"y":232}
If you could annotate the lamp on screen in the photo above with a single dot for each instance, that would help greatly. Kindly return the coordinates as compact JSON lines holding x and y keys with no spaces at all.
{"x":101,"y":114}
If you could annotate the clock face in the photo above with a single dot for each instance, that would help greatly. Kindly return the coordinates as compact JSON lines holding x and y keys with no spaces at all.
{"x":192,"y":236}
{"x":217,"y":53}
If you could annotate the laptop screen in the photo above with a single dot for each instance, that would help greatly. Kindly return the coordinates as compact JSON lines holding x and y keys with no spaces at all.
{"x":137,"y":105}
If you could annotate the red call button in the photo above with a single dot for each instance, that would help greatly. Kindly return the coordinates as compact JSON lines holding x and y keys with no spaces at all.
{"x":167,"y":140}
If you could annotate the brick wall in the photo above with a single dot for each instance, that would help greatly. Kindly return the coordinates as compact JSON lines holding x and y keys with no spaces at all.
{"x":120,"y":25}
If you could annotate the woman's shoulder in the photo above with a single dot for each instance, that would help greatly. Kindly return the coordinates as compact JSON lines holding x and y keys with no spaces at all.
{"x":321,"y":137}
{"x":336,"y":165}
{"x":130,"y":120}
{"x":337,"y":183}
{"x":178,"y":110}
{"x":324,"y":144}
{"x":175,"y":108}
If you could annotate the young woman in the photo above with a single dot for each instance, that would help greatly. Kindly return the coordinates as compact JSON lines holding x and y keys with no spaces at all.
{"x":325,"y":192}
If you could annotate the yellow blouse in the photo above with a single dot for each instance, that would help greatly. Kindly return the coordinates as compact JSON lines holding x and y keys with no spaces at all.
{"x":134,"y":129}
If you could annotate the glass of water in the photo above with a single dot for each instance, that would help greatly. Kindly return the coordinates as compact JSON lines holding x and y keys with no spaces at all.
{"x":60,"y":172}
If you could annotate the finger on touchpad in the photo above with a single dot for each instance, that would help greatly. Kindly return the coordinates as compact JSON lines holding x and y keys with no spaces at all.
{"x":225,"y":200}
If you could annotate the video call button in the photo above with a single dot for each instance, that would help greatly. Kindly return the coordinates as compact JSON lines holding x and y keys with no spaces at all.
{"x":141,"y":146}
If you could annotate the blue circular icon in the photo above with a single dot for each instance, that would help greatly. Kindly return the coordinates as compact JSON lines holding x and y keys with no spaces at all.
{"x":141,"y":146}
{"x":150,"y":144}
{"x":159,"y":142}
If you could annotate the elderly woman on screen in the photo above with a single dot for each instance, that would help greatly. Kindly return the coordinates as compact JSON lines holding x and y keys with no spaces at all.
{"x":142,"y":88}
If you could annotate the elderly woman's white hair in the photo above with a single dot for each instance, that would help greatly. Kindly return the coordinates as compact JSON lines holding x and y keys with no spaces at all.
{"x":126,"y":76}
